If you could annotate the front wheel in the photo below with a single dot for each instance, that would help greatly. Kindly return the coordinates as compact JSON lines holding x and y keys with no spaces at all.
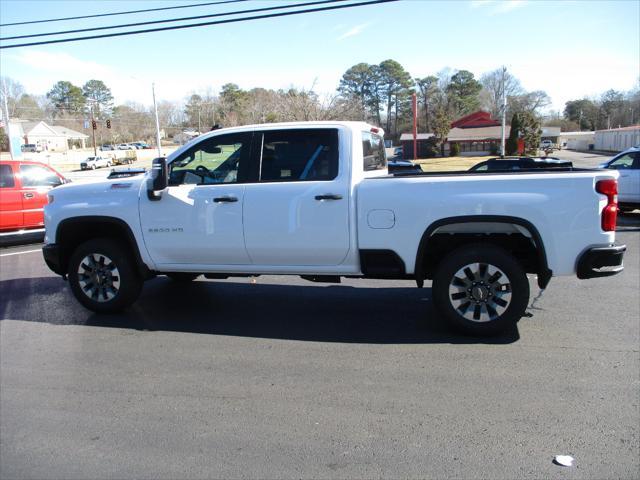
{"x":102,"y":276}
{"x":481,"y":289}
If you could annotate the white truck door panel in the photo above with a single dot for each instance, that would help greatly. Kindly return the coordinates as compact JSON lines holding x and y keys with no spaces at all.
{"x":298,"y":212}
{"x":198,"y":219}
{"x":284,"y":224}
{"x":194,"y":225}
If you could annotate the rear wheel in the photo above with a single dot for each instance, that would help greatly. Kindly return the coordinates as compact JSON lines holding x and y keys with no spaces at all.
{"x":481,"y":289}
{"x":102,"y":276}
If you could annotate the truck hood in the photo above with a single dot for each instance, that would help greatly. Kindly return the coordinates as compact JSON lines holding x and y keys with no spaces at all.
{"x":100,"y":192}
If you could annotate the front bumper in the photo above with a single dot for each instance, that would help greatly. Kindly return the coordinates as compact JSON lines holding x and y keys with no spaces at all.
{"x":601,"y":261}
{"x":52,"y":254}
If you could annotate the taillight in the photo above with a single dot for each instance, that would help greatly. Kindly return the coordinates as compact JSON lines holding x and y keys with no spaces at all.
{"x":610,"y":212}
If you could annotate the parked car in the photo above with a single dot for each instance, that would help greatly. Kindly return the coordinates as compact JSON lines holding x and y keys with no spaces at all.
{"x":30,"y":147}
{"x":107,"y":148}
{"x":315,"y":199}
{"x":520,"y":163}
{"x":23,"y":193}
{"x":546,"y":144}
{"x":124,"y":146}
{"x":141,"y":145}
{"x":628,"y":164}
{"x":403,"y":166}
{"x":91,"y":163}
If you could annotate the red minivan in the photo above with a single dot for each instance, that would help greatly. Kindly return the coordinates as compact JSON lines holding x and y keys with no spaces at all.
{"x":23,"y":193}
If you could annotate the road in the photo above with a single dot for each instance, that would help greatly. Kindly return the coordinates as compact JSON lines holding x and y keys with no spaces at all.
{"x":282,"y":378}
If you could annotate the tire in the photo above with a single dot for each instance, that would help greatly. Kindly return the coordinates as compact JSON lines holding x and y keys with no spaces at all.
{"x":182,"y":277}
{"x":119,"y":284}
{"x":93,"y":167}
{"x":481,"y":290}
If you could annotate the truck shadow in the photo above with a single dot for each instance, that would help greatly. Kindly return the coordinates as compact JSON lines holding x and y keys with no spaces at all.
{"x":304,"y":312}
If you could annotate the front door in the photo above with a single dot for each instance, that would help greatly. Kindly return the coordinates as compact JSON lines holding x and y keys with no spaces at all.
{"x":11,"y":216}
{"x":198,"y":219}
{"x":297,"y":213}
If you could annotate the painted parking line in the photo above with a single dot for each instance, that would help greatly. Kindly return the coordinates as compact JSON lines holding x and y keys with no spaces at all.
{"x":19,"y":253}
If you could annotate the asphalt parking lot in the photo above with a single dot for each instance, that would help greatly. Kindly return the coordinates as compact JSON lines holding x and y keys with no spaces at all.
{"x":282,"y":378}
{"x":276,"y":377}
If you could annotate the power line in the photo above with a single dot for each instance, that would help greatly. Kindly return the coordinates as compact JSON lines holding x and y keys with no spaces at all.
{"x":204,"y":24}
{"x":198,"y":17}
{"x":121,"y":13}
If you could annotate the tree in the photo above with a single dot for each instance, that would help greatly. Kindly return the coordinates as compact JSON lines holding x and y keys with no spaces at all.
{"x":427,"y":88}
{"x":13,"y":91}
{"x":27,"y":108}
{"x":356,"y":84}
{"x":511,"y":145}
{"x":395,"y":82}
{"x":66,"y":97}
{"x":441,"y":125}
{"x":99,"y":97}
{"x":583,"y":112}
{"x":193,"y":111}
{"x":492,"y":90}
{"x":463,"y":91}
{"x":530,"y":130}
{"x":528,"y":102}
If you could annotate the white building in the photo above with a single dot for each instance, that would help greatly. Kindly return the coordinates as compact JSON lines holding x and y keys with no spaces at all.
{"x":577,"y":140}
{"x":617,"y":139}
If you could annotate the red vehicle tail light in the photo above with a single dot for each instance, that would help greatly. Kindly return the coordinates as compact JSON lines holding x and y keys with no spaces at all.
{"x":610,"y":212}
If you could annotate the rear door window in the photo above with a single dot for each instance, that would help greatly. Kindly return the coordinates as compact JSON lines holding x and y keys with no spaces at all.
{"x":299,"y":155}
{"x":373,"y":152}
{"x":6,"y":177}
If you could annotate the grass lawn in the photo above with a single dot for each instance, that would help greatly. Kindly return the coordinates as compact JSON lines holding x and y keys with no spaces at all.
{"x":449,"y":164}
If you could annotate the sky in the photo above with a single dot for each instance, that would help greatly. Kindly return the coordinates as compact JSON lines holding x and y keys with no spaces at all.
{"x":569,"y":49}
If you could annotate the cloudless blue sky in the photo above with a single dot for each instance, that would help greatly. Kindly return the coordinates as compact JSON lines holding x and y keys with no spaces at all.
{"x":569,"y":49}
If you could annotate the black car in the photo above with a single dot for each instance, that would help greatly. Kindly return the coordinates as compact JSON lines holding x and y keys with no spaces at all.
{"x":520,"y":163}
{"x":403,"y":166}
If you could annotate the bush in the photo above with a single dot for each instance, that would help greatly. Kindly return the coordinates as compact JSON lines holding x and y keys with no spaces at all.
{"x":493,"y":149}
{"x":454,"y":151}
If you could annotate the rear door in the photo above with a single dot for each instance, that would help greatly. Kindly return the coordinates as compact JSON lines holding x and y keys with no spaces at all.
{"x":297,"y":213}
{"x":11,"y":216}
{"x":36,"y":182}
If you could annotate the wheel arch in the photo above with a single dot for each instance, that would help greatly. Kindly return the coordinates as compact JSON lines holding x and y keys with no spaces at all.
{"x":72,"y":232}
{"x":541,"y":263}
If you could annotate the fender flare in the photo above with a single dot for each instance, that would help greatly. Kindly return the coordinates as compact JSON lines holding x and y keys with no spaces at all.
{"x":544,"y":273}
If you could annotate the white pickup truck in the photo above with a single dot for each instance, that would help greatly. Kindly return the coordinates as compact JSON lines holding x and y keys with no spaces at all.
{"x":315,"y":199}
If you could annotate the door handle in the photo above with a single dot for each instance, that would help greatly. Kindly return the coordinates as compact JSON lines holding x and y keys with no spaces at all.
{"x":225,"y":199}
{"x":28,"y":195}
{"x":329,"y":196}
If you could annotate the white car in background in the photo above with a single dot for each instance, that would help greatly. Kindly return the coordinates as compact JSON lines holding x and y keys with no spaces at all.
{"x":91,"y":163}
{"x":628,"y":164}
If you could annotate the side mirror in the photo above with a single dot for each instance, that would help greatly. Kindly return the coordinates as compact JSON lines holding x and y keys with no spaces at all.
{"x":159,"y":178}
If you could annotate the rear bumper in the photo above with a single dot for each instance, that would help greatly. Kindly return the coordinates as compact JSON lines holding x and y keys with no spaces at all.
{"x":601,"y":261}
{"x":52,"y":254}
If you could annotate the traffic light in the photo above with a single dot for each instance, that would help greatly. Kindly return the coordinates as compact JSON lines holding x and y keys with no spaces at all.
{"x":94,"y":125}
{"x":108,"y":123}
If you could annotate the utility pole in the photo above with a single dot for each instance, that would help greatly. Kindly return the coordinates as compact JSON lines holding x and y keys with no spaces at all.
{"x":199,"y":128}
{"x":7,"y":119}
{"x":414,"y":106}
{"x":504,"y":112}
{"x":155,"y":109}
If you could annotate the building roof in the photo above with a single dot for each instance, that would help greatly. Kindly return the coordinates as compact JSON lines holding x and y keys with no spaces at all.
{"x":481,"y":133}
{"x":621,"y":129}
{"x":67,"y":132}
{"x":419,"y":136}
{"x":475,"y":120}
{"x":575,"y":134}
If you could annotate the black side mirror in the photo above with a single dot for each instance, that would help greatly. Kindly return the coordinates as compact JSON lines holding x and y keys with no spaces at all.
{"x":159,"y":178}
